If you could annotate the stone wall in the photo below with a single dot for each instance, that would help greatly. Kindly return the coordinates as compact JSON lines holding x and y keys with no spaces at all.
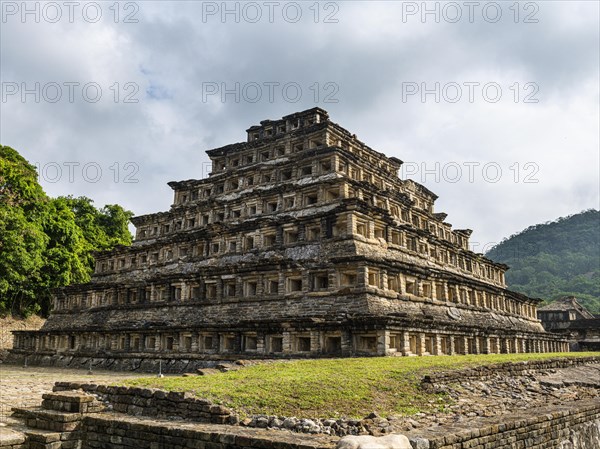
{"x":507,"y":369}
{"x":120,"y":362}
{"x":183,"y":406}
{"x":572,"y":426}
{"x":103,"y":430}
{"x":9,"y":324}
{"x":195,"y":332}
{"x":156,"y":403}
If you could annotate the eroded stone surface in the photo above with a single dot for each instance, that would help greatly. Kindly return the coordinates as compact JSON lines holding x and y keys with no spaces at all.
{"x":10,"y":437}
{"x":24,"y":387}
{"x":302,"y":241}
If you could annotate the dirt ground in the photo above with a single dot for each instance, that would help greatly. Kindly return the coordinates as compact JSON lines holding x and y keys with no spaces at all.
{"x":24,"y":386}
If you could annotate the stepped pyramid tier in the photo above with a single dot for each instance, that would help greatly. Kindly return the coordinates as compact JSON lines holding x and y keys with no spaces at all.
{"x":302,"y":241}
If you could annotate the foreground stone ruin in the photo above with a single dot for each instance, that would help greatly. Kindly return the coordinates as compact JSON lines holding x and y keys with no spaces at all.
{"x":303,"y":241}
{"x":560,"y":410}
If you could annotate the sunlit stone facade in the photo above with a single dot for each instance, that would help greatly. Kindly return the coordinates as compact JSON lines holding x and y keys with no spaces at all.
{"x":302,"y":241}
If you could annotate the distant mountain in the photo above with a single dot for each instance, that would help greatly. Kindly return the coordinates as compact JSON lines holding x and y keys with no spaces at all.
{"x":555,"y":259}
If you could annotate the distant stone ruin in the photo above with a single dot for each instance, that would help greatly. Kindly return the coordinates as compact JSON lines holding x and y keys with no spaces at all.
{"x":303,"y":241}
{"x":568,"y":318}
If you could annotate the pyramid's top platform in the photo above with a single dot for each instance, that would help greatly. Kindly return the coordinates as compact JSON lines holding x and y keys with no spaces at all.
{"x":297,"y":123}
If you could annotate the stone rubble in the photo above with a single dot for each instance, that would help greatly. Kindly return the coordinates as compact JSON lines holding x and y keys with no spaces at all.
{"x":493,"y":397}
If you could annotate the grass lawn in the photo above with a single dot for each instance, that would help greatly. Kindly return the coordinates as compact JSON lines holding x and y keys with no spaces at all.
{"x":323,"y":388}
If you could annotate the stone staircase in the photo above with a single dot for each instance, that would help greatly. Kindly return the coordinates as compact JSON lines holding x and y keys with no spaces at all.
{"x":54,"y":425}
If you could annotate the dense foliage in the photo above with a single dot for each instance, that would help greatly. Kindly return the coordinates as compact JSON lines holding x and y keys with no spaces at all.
{"x":555,"y":259}
{"x":47,"y":242}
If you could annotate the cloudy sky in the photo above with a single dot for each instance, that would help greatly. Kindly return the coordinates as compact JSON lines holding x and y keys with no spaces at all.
{"x":494,"y":106}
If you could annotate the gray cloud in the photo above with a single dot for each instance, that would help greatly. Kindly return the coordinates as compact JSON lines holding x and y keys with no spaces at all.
{"x":370,"y":55}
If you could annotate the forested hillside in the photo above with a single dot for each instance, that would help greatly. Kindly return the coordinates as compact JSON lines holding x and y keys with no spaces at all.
{"x":554,"y":259}
{"x":47,"y":242}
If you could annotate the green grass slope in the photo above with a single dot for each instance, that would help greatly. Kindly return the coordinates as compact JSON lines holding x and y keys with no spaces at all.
{"x":327,"y":388}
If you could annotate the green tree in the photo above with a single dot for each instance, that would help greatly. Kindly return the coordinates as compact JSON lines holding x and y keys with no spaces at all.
{"x":102,"y":229}
{"x":44,"y":242}
{"x":22,"y":244}
{"x":22,"y":240}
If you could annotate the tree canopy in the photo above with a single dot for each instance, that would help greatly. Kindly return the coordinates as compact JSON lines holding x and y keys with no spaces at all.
{"x":555,"y":259}
{"x":47,"y":242}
